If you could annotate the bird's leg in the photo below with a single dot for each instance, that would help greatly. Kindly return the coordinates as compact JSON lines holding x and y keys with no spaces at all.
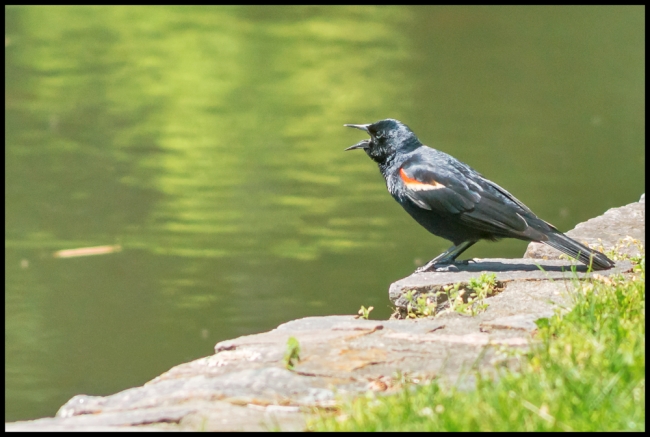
{"x":447,"y":257}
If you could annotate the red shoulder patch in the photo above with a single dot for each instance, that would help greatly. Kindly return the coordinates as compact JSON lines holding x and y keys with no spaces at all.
{"x":414,"y":184}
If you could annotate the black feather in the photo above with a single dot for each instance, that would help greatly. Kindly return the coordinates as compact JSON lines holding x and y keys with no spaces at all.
{"x":577,"y":250}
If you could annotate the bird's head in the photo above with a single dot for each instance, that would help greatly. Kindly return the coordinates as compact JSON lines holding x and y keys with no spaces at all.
{"x":387,"y":138}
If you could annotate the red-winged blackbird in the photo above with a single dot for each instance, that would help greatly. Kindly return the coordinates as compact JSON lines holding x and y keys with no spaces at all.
{"x":453,"y":201}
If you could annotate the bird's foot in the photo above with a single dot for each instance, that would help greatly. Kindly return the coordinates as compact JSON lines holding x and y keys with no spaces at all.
{"x":443,"y":266}
{"x":466,"y":261}
{"x":437,"y":267}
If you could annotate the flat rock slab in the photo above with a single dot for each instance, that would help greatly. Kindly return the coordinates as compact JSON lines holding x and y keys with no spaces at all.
{"x":506,"y":270}
{"x":192,"y":415}
{"x":616,"y":228}
{"x":245,"y":385}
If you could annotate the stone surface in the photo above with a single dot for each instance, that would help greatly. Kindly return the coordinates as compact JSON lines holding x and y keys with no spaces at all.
{"x":245,"y":385}
{"x":525,"y":322}
{"x":506,"y":270}
{"x":617,"y":227}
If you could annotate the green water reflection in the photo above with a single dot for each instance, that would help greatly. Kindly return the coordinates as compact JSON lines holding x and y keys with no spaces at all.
{"x":207,"y":141}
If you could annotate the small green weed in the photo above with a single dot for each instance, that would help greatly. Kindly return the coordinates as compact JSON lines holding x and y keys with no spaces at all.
{"x":422,"y":306}
{"x":471,"y":300}
{"x":463,"y":298}
{"x":365,"y":312}
{"x":292,"y":355}
{"x":615,"y":253}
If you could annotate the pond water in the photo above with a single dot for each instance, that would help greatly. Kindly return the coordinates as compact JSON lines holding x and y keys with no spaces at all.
{"x":207,"y":143}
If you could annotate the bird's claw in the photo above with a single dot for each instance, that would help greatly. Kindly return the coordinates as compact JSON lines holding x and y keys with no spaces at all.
{"x":450,"y":267}
{"x":444,"y":267}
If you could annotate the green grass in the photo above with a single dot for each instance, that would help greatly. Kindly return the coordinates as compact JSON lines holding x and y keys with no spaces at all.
{"x":586,"y":372}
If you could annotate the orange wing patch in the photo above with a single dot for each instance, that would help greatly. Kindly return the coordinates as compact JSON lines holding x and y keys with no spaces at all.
{"x":416,"y":185}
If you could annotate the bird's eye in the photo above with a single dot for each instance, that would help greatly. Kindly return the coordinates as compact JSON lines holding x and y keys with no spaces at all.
{"x":379,"y":134}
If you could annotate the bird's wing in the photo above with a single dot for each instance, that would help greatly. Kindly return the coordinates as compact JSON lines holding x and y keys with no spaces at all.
{"x":436,"y":190}
{"x":457,"y":189}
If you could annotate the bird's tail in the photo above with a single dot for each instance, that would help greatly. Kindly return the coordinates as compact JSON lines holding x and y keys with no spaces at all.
{"x":585,"y":255}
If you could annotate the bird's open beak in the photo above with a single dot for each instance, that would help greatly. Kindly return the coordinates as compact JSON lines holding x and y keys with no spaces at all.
{"x":360,"y":145}
{"x":363,"y":127}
